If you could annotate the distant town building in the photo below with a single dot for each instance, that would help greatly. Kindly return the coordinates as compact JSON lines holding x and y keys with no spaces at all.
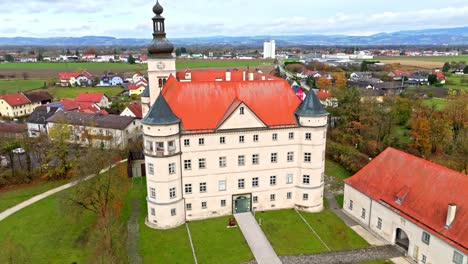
{"x":269,"y":49}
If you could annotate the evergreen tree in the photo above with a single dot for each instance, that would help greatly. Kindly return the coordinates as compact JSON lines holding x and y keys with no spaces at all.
{"x":131,"y":60}
{"x":446,"y":67}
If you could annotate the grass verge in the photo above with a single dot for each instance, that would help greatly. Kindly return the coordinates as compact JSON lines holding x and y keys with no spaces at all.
{"x":72,"y":92}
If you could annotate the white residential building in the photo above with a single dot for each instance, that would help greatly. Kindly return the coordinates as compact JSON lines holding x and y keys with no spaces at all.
{"x":413,"y":203}
{"x":269,"y":49}
{"x":214,"y":145}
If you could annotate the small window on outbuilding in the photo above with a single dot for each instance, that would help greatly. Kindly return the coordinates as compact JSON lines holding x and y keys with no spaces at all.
{"x":241,"y":110}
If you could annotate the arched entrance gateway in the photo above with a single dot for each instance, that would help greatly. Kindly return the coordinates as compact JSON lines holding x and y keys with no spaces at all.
{"x":241,"y":203}
{"x":401,"y":239}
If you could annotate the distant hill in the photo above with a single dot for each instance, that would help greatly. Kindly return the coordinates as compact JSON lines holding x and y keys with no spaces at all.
{"x":451,"y":36}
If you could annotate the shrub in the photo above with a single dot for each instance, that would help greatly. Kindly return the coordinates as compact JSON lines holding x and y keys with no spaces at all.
{"x":347,"y":156}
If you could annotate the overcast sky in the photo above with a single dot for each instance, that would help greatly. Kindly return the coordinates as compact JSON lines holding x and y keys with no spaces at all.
{"x":194,"y":18}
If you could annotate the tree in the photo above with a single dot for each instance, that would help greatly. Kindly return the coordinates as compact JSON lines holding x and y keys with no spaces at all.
{"x":68,"y":52}
{"x":446,"y":67}
{"x":178,"y":52}
{"x":131,"y":60}
{"x":420,"y":132}
{"x":59,"y":151}
{"x":465,"y":70}
{"x":77,"y":53}
{"x":40,"y":57}
{"x":323,"y":83}
{"x":9,"y":58}
{"x":364,"y":66}
{"x":432,"y":78}
{"x":401,"y":110}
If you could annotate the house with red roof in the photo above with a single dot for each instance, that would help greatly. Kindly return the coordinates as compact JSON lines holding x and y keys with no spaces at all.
{"x":134,"y":110}
{"x":99,"y":99}
{"x":440,"y":76}
{"x":397,"y":75}
{"x":69,"y":79}
{"x":16,"y":105}
{"x":413,"y":203}
{"x":137,"y":88}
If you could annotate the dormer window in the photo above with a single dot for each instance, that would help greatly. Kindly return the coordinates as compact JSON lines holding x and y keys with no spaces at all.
{"x":241,"y":110}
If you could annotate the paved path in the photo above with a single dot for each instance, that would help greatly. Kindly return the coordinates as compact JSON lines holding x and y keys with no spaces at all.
{"x":41,"y":196}
{"x":133,"y":233}
{"x":346,"y":256}
{"x":258,"y":243}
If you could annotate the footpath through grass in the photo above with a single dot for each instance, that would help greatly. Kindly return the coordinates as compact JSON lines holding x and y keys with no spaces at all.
{"x":16,"y":86}
{"x":9,"y":198}
{"x":215,"y":243}
{"x":72,"y":92}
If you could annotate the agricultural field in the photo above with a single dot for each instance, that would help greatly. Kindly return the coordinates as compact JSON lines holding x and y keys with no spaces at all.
{"x":72,"y":66}
{"x":428,"y":62}
{"x":72,"y":92}
{"x":190,"y":64}
{"x":20,"y":85}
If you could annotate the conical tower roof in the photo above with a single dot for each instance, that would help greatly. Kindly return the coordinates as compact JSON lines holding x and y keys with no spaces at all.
{"x":160,"y":113}
{"x":311,"y":106}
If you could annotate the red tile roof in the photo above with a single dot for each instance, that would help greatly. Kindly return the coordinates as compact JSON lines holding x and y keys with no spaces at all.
{"x":440,"y":76}
{"x":323,"y":95}
{"x":427,"y":189}
{"x":69,"y":104}
{"x":205,"y":76}
{"x":15,"y":99}
{"x":136,"y":86}
{"x":400,"y":73}
{"x":202,"y":104}
{"x":68,"y":75}
{"x":89,"y":97}
{"x":136,"y":109}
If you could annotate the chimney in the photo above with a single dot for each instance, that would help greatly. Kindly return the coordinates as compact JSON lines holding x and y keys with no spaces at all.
{"x":188,"y":75}
{"x":228,"y":76}
{"x":452,"y":209}
{"x":263,"y":78}
{"x":251,"y":76}
{"x":243,"y":75}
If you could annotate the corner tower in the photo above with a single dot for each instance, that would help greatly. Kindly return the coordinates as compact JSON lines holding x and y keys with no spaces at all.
{"x":161,"y":62}
{"x":312,"y":119}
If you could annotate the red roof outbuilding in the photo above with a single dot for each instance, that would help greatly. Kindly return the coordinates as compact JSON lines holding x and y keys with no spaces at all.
{"x":15,"y":99}
{"x":424,"y":189}
{"x":89,"y":97}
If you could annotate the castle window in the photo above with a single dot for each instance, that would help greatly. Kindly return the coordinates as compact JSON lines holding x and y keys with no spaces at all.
{"x":188,"y":188}
{"x":222,"y":140}
{"x":291,"y":135}
{"x":188,"y":206}
{"x":255,"y":182}
{"x":223,"y":203}
{"x":222,"y":162}
{"x":173,"y":211}
{"x":172,"y":193}
{"x":255,"y":159}
{"x":350,"y":205}
{"x":306,"y":179}
{"x":187,"y":164}
{"x":171,"y":168}
{"x":202,"y":187}
{"x":274,"y":137}
{"x":203,"y":205}
{"x":305,"y":196}
{"x":289,"y":195}
{"x":222,"y":185}
{"x":153,"y":193}
{"x":308,"y":136}
{"x":241,"y":110}
{"x":254,"y":199}
{"x":274,"y":157}
{"x":363,"y":213}
{"x":457,"y":257}
{"x":379,"y":223}
{"x":241,"y":139}
{"x":160,"y":82}
{"x":272,"y":197}
{"x":187,"y":142}
{"x":201,"y":141}
{"x":272,"y":180}
{"x":201,"y":163}
{"x":241,"y":160}
{"x":255,"y":138}
{"x":153,"y":212}
{"x":307,"y":157}
{"x":426,"y":238}
{"x":290,"y":156}
{"x":289,"y":178}
{"x":150,"y":168}
{"x":241,"y":183}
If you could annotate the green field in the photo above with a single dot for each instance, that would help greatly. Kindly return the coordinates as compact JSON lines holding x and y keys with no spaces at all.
{"x":9,"y":198}
{"x":72,"y":92}
{"x":336,"y":170}
{"x":427,"y":58}
{"x":19,"y":85}
{"x":71,"y":66}
{"x":438,"y":103}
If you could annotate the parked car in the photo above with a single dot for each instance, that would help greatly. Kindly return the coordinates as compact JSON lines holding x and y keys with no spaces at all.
{"x":19,"y":151}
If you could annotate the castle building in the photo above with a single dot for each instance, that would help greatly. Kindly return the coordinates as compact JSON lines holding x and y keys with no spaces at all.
{"x":224,"y":142}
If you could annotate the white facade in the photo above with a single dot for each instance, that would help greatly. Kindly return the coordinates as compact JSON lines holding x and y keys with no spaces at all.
{"x":384,"y":221}
{"x":269,"y":49}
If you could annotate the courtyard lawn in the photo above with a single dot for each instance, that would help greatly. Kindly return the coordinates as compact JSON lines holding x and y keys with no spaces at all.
{"x":9,"y":198}
{"x":71,"y":66}
{"x":333,"y":231}
{"x":20,"y":85}
{"x":158,"y":246}
{"x":43,"y":233}
{"x":335,"y":170}
{"x":72,"y":92}
{"x":215,"y":243}
{"x":189,"y":64}
{"x":438,"y":103}
{"x":288,"y":234}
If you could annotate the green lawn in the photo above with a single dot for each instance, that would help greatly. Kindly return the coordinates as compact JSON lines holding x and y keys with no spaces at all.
{"x":339,"y":199}
{"x":215,"y":243}
{"x":427,"y":58}
{"x":438,"y":103}
{"x":72,"y":92}
{"x":9,"y":198}
{"x":288,"y":234}
{"x":15,"y":86}
{"x":43,"y":233}
{"x":336,"y":170}
{"x":189,"y":64}
{"x":333,"y":231}
{"x":72,"y":66}
{"x":158,"y":246}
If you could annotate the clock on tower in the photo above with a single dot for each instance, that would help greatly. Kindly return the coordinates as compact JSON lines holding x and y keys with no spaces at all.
{"x":160,"y":65}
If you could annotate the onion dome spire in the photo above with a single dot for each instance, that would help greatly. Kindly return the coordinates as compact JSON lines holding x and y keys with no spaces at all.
{"x":160,"y":47}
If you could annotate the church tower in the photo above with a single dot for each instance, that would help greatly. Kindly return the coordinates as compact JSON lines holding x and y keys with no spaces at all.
{"x":161,"y":62}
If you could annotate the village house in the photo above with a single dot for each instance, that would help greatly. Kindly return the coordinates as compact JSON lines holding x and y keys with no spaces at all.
{"x":413,"y":203}
{"x":22,"y":104}
{"x":102,"y":131}
{"x":133,"y":110}
{"x":36,"y":122}
{"x":12,"y":130}
{"x":99,"y":99}
{"x":398,"y":75}
{"x":69,"y":79}
{"x":214,"y":145}
{"x":111,"y":79}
